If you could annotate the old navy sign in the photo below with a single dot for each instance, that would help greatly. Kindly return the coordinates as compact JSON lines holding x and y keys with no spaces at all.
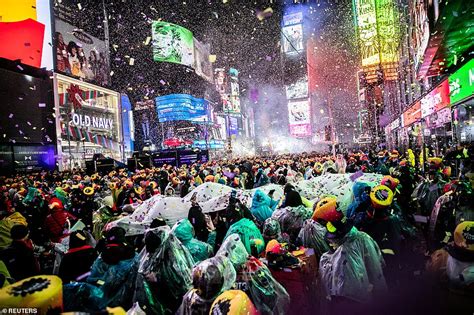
{"x":91,"y":121}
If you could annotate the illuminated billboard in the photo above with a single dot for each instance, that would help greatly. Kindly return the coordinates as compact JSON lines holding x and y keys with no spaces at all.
{"x":299,"y":117}
{"x":181,"y":107}
{"x":25,"y":32}
{"x":172,"y":43}
{"x":378,"y":33}
{"x":202,"y":65}
{"x":81,"y":50}
{"x":461,"y":83}
{"x":299,"y":89}
{"x":292,"y":38}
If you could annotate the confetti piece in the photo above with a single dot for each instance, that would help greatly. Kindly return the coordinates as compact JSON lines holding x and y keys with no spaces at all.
{"x":111,"y":73}
{"x":162,"y":82}
{"x":212,"y":58}
{"x":147,"y":40}
{"x":10,"y":116}
{"x":79,"y":6}
{"x":28,"y":123}
{"x":131,"y":62}
{"x":262,"y":15}
{"x":20,"y":67}
{"x":100,"y":282}
{"x":42,"y":105}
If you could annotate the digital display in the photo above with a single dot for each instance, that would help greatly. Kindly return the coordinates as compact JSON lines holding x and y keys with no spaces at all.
{"x":172,"y":43}
{"x":181,"y":107}
{"x":33,"y":158}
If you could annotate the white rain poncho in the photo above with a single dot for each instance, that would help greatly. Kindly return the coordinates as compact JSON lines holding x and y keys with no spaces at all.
{"x":354,"y":269}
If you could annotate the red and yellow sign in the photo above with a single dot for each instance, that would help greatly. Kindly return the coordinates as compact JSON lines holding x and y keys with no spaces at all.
{"x":412,"y":114}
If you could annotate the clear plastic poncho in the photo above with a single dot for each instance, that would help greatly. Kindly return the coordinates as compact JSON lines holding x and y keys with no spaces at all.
{"x":354,"y":269}
{"x":268,"y":295}
{"x":291,"y":218}
{"x":211,"y":277}
{"x":312,"y":236}
{"x":235,"y":250}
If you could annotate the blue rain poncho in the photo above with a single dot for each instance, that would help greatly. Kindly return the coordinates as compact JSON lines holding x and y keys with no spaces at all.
{"x":354,"y":269}
{"x":184,"y":231}
{"x":262,"y":205}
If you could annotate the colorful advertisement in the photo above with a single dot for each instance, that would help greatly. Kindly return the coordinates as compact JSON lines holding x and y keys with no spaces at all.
{"x":181,"y":107}
{"x":412,"y":114}
{"x":435,"y":100}
{"x":292,"y":38}
{"x":172,"y":43}
{"x":233,"y":105}
{"x":299,"y":89}
{"x":365,"y":12}
{"x":378,"y":32}
{"x":202,"y":65}
{"x":293,"y":18}
{"x":25,"y":32}
{"x":420,"y":29}
{"x":299,"y":118}
{"x":233,"y":126}
{"x":81,"y":50}
{"x":461,"y":83}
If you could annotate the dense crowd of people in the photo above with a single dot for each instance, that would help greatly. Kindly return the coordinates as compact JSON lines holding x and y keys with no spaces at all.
{"x":403,"y":243}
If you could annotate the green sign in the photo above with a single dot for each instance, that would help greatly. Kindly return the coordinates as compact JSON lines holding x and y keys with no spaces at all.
{"x":172,"y":43}
{"x":461,"y":83}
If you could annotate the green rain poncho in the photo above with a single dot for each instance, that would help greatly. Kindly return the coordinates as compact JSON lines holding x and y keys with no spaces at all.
{"x":184,"y":231}
{"x":249,"y":235}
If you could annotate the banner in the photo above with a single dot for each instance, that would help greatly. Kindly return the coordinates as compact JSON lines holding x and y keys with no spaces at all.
{"x":412,"y":114}
{"x":81,"y":50}
{"x":172,"y":43}
{"x":181,"y":107}
{"x":436,"y":100}
{"x":202,"y":65}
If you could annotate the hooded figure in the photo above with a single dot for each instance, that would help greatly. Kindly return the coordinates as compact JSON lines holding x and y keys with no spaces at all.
{"x":78,"y":259}
{"x":352,"y":271}
{"x":291,"y":220}
{"x":269,"y":296}
{"x":263,"y":205}
{"x":198,"y":220}
{"x":249,"y":234}
{"x":292,"y":197}
{"x":312,"y":235}
{"x":210,"y":278}
{"x":184,"y":231}
{"x":361,"y":191}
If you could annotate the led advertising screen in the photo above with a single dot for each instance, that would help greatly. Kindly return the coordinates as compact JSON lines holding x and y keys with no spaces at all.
{"x":146,"y":124}
{"x":27,"y":108}
{"x":33,"y":158}
{"x":298,"y":89}
{"x":293,"y":18}
{"x":435,"y":100}
{"x":461,"y":83}
{"x":25,"y":32}
{"x":233,"y":126}
{"x":299,"y":118}
{"x":127,"y":123}
{"x":292,"y":39}
{"x":367,"y":31}
{"x":202,"y":65}
{"x":165,"y":157}
{"x":181,"y":107}
{"x":81,"y":50}
{"x":172,"y":43}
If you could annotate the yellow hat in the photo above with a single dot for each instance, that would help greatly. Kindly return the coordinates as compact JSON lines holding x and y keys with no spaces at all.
{"x":464,"y":235}
{"x":381,"y":196}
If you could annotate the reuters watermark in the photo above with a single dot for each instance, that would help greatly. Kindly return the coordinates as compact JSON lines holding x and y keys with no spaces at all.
{"x":19,"y":310}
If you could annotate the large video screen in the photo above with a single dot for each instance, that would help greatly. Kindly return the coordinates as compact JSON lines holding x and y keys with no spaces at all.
{"x":172,"y":43}
{"x":181,"y":107}
{"x":202,"y":65}
{"x":292,"y":39}
{"x":146,"y":125}
{"x":81,"y":50}
{"x":27,"y":109}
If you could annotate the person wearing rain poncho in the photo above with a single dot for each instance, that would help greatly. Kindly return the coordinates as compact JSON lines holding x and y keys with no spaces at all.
{"x":233,"y":302}
{"x":112,"y":277}
{"x":453,"y":267}
{"x":263,"y":205}
{"x":164,"y":273}
{"x":184,"y":231}
{"x":254,"y":278}
{"x":351,"y":273}
{"x":210,"y":278}
{"x":312,"y":235}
